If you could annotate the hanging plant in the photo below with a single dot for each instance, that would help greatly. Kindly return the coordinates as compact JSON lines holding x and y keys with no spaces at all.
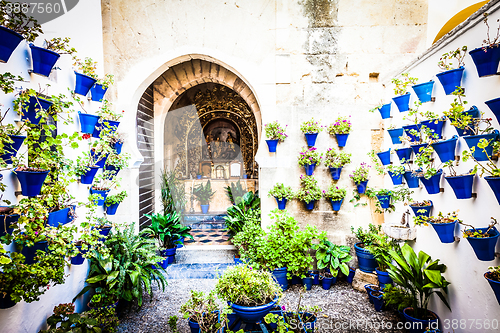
{"x":311,"y":126}
{"x":308,"y":156}
{"x":274,"y":131}
{"x":309,"y":190}
{"x":401,"y":85}
{"x":334,"y":159}
{"x":18,"y":21}
{"x":280,"y":191}
{"x":340,"y":126}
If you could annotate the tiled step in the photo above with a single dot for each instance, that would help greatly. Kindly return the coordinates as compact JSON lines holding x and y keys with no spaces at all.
{"x":205,"y":221}
{"x":197,"y":271}
{"x":205,"y":254}
{"x":208,"y":237}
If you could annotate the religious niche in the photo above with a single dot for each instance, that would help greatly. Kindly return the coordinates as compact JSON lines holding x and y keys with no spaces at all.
{"x":223,"y":140}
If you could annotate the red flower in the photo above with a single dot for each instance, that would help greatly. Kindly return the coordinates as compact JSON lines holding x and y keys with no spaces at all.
{"x":86,"y":136}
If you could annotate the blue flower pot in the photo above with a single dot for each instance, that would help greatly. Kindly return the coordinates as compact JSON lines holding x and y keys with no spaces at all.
{"x":9,"y":40}
{"x":253,"y":314}
{"x":35,"y":105}
{"x":336,"y":204}
{"x":326,"y":283}
{"x":311,"y":139}
{"x":315,"y":276}
{"x":446,"y":149}
{"x":402,"y":102}
{"x":383,"y":278}
{"x":366,"y":260}
{"x":31,"y":182}
{"x":484,"y":248}
{"x":404,"y":154}
{"x":395,"y":134}
{"x":118,"y":148}
{"x":422,"y":211}
{"x":384,"y":200}
{"x":474,"y":113}
{"x":411,"y":137}
{"x":279,"y":275}
{"x":295,"y":280}
{"x":451,"y":79}
{"x":361,"y":186}
{"x":104,"y":231}
{"x":281,"y":203}
{"x":161,"y":264}
{"x":495,"y":285}
{"x":78,"y":259}
{"x":112,"y":125}
{"x":204,"y":208}
{"x":194,"y":326}
{"x":397,"y":179}
{"x":378,"y":301}
{"x":479,"y":154}
{"x":309,"y":169}
{"x":341,"y":139}
{"x":111,"y":209}
{"x":424,"y":91}
{"x":461,"y":185}
{"x":87,"y":122}
{"x":416,"y":148}
{"x":385,"y":111}
{"x":88,"y":177}
{"x":112,"y":170}
{"x":435,"y":126}
{"x":83,"y":84}
{"x":169,"y":254}
{"x":198,"y":176}
{"x":494,"y":183}
{"x":411,"y":179}
{"x":494,"y":105}
{"x":385,"y":157}
{"x":43,"y":60}
{"x":445,"y":231}
{"x":30,"y":252}
{"x":11,"y":148}
{"x":272,"y":144}
{"x":432,"y":184}
{"x":350,"y":277}
{"x":238,"y":261}
{"x":97,"y":92}
{"x":369,"y":289}
{"x":5,"y":223}
{"x":103,"y":194}
{"x":310,"y":205}
{"x":335,"y":172}
{"x":58,"y":217}
{"x":308,"y":282}
{"x":101,"y":162}
{"x":417,"y":323}
{"x":486,"y":60}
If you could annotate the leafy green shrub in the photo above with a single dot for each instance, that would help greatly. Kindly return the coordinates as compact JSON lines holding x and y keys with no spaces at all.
{"x":167,"y":229}
{"x":335,"y":193}
{"x":200,"y":308}
{"x":115,"y":198}
{"x":334,"y":159}
{"x":280,"y":192}
{"x":332,"y":256}
{"x":246,"y":211}
{"x":309,"y":190}
{"x":64,"y":319}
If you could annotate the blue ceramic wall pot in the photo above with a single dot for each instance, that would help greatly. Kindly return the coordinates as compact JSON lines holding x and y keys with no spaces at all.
{"x":395,"y":134}
{"x":43,"y":60}
{"x":479,"y":154}
{"x":35,"y":105}
{"x":102,"y":195}
{"x":445,"y":231}
{"x":385,"y":111}
{"x":404,"y":154}
{"x":366,"y":260}
{"x":309,"y":169}
{"x":88,"y":177}
{"x":495,"y":285}
{"x":494,"y":105}
{"x":432,"y":184}
{"x":118,"y":147}
{"x":411,"y":179}
{"x":412,"y":137}
{"x":397,"y":178}
{"x":111,"y":209}
{"x":335,"y":172}
{"x":279,"y":275}
{"x":402,"y":102}
{"x":361,"y":186}
{"x":9,"y":40}
{"x":461,"y":185}
{"x":108,"y":124}
{"x":341,"y":139}
{"x":310,"y":205}
{"x":384,"y":200}
{"x":83,"y":84}
{"x":446,"y":149}
{"x":272,"y":144}
{"x":494,"y":183}
{"x":58,"y":217}
{"x":336,"y":204}
{"x":486,"y":60}
{"x":31,"y":182}
{"x":97,"y":92}
{"x":281,"y":203}
{"x":484,"y":248}
{"x":311,"y":139}
{"x":422,"y":211}
{"x":385,"y":157}
{"x":30,"y":252}
{"x":87,"y":122}
{"x":78,"y":259}
{"x":435,"y":126}
{"x":11,"y":148}
{"x":423,"y":323}
{"x":424,"y":91}
{"x":451,"y":79}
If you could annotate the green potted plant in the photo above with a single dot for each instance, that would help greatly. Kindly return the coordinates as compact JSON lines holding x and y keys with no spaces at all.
{"x":247,"y":210}
{"x":311,"y":129}
{"x":309,"y":158}
{"x":360,"y":177}
{"x":402,"y":98}
{"x":341,"y":128}
{"x":443,"y":224}
{"x":86,"y":76}
{"x":202,"y":312}
{"x":282,"y":194}
{"x":112,"y":201}
{"x":335,"y":161}
{"x":309,"y":192}
{"x":380,"y":248}
{"x":332,"y":258}
{"x":366,"y":260}
{"x":115,"y":162}
{"x":482,"y":240}
{"x":451,"y":78}
{"x":99,"y":89}
{"x":108,"y":120}
{"x":421,"y":277}
{"x":44,"y":58}
{"x":275,"y":134}
{"x":493,"y":278}
{"x":336,"y":195}
{"x":64,"y":319}
{"x":387,"y":198}
{"x":204,"y":194}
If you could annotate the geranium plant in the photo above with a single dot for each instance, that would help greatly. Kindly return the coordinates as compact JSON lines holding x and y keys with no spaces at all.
{"x":309,"y":190}
{"x":446,"y":61}
{"x":19,"y":20}
{"x":340,"y":126}
{"x":334,"y":159}
{"x":311,"y":127}
{"x":115,"y":198}
{"x":401,"y":85}
{"x":473,"y":232}
{"x":280,"y":191}
{"x":309,"y":156}
{"x":440,"y":218}
{"x":274,"y":131}
{"x":360,"y":174}
{"x":335,"y":193}
{"x":106,"y":112}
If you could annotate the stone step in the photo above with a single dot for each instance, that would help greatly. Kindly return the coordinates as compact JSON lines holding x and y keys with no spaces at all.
{"x":196,"y":271}
{"x":205,"y":254}
{"x":205,"y":221}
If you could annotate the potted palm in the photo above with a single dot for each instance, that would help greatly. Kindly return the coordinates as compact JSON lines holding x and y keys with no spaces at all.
{"x":341,"y":128}
{"x":309,"y":158}
{"x":336,"y":195}
{"x":309,"y":192}
{"x":311,"y":129}
{"x":335,"y":161}
{"x":282,"y":194}
{"x":204,"y":194}
{"x":451,"y":78}
{"x":402,"y":99}
{"x":275,"y":134}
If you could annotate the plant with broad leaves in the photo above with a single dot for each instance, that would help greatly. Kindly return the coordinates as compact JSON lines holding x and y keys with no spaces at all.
{"x":247,"y":210}
{"x":64,"y":319}
{"x":7,"y":82}
{"x":167,"y":229}
{"x":332,"y":256}
{"x":115,"y":198}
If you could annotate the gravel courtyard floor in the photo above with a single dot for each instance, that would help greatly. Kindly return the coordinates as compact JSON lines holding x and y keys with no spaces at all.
{"x":344,"y":309}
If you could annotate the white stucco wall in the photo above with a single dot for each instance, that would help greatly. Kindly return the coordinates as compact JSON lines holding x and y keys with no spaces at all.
{"x":83,"y":25}
{"x":470,"y":295}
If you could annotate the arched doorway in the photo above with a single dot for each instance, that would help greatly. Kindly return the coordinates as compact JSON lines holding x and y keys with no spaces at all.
{"x":204,"y":121}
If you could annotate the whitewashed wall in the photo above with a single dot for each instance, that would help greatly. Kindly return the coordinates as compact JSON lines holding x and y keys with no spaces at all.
{"x":83,"y":25}
{"x":470,"y":295}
